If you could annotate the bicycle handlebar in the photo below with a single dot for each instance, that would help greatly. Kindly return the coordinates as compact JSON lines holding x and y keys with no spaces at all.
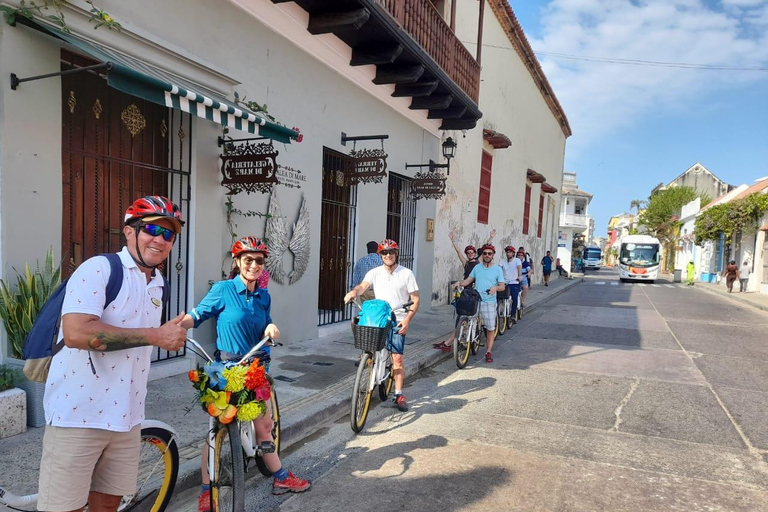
{"x":266,"y":340}
{"x":405,"y":306}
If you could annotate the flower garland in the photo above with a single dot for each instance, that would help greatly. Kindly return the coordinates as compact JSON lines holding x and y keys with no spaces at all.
{"x":228,"y":390}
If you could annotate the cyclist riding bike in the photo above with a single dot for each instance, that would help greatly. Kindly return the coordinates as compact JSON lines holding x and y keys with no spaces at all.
{"x":489,"y":279}
{"x":242,"y":311}
{"x":97,"y":383}
{"x":396,"y":285}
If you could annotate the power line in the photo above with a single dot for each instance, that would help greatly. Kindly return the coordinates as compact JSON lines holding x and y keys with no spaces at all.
{"x":637,"y":62}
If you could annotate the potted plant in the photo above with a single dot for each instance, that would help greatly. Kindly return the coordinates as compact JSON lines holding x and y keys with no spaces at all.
{"x":19,"y":306}
{"x":13,"y":404}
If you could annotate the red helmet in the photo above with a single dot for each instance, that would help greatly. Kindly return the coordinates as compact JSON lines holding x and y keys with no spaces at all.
{"x":488,"y":246}
{"x":249,"y":244}
{"x":469,"y":248}
{"x":509,"y":248}
{"x":387,"y":244}
{"x":151,"y":208}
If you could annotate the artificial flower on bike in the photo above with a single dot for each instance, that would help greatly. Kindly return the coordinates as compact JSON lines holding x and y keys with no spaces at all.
{"x":229,"y":390}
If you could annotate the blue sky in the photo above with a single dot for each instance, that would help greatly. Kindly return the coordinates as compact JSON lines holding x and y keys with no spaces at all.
{"x":635,"y":126}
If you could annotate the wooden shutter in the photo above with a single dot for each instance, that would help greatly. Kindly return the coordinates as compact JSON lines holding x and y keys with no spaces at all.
{"x":527,"y":210}
{"x":484,"y":198}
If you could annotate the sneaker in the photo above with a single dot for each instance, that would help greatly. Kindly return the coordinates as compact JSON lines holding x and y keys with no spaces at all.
{"x":402,"y":405}
{"x":290,"y":484}
{"x":204,"y":502}
{"x":488,"y":357}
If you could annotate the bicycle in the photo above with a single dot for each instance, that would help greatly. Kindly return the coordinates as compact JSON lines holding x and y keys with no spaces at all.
{"x":232,"y":446}
{"x":504,"y":311}
{"x":158,"y":470}
{"x":466,"y":338}
{"x":374,"y":369}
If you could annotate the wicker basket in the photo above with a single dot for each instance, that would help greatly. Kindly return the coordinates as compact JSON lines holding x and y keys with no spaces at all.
{"x":503,"y":295}
{"x":370,"y":339}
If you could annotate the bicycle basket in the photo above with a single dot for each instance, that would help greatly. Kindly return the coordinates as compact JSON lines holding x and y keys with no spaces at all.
{"x":468,"y":302}
{"x":370,"y":339}
{"x":502,"y":295}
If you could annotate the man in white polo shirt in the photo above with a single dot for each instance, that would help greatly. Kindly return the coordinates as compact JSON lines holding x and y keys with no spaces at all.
{"x":396,"y":285}
{"x":97,"y":383}
{"x":512,"y":269}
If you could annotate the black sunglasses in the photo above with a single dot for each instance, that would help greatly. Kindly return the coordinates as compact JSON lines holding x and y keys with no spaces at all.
{"x":388,"y":252}
{"x":155,"y":230}
{"x":248,"y":261}
{"x":487,"y":253}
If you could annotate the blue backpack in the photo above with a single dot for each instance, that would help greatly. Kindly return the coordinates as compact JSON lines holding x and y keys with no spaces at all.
{"x":375,"y":313}
{"x":41,"y":344}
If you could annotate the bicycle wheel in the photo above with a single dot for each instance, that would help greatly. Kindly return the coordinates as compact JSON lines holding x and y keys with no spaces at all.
{"x":158,"y":469}
{"x":501,"y":317}
{"x":385,"y":388}
{"x":361,"y":393}
{"x":228,"y":482}
{"x":263,"y":469}
{"x":461,"y":342}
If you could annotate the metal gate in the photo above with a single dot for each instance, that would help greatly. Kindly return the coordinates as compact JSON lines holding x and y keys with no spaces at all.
{"x":337,"y":238}
{"x":116,"y":148}
{"x":401,"y":217}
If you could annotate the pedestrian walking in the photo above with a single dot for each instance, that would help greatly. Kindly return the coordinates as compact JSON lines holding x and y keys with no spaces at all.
{"x":690,"y":271}
{"x":744,"y":272}
{"x":731,"y":274}
{"x":546,"y":266}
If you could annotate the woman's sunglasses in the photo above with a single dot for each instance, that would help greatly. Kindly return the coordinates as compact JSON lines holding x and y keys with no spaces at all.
{"x":155,"y":230}
{"x":248,"y":261}
{"x":387,"y":252}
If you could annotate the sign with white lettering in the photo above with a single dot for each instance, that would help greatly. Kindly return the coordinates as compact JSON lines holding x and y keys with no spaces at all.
{"x":428,"y":185}
{"x":368,"y":166}
{"x":249,"y":168}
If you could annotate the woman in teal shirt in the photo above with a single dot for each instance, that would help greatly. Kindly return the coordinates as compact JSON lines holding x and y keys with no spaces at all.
{"x":242,"y":311}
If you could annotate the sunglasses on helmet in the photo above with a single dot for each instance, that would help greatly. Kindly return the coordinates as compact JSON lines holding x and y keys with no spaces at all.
{"x":155,"y":230}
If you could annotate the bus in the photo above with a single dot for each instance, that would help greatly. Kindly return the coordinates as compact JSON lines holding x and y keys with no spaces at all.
{"x":639,"y":258}
{"x":592,"y":257}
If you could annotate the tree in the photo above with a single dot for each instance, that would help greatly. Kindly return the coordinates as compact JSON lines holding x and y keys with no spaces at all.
{"x":661,"y":216}
{"x":636,"y":204}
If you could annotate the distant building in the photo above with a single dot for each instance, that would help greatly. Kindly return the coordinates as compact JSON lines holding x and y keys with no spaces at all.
{"x":575,"y":222}
{"x":699,"y":178}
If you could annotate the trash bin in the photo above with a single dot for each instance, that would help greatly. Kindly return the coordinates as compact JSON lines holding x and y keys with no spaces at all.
{"x":678,"y":275}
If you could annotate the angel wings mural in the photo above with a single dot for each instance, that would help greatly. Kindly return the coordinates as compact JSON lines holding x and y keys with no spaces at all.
{"x":277,"y":233}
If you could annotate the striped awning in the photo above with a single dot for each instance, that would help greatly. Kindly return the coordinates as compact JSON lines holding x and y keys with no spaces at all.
{"x":133,"y":76}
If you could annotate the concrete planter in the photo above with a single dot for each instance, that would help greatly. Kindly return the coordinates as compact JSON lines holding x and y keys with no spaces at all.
{"x":13,"y":412}
{"x":35,"y":393}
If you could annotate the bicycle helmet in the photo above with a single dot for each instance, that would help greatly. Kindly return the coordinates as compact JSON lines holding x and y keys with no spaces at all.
{"x":149,"y":208}
{"x":249,"y":244}
{"x":388,"y":244}
{"x":488,"y":246}
{"x":470,"y":248}
{"x":509,"y":248}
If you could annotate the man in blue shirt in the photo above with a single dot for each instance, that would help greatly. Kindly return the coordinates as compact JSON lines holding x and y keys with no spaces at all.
{"x":363,"y":265}
{"x":488,"y":279}
{"x":546,"y":264}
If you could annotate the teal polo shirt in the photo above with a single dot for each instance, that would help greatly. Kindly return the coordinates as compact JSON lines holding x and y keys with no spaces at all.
{"x":241,"y":316}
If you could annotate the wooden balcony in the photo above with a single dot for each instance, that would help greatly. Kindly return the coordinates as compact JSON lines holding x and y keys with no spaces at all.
{"x":412,"y":47}
{"x":424,"y":23}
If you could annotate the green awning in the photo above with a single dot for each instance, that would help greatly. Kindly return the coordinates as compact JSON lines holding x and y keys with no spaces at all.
{"x":138,"y":78}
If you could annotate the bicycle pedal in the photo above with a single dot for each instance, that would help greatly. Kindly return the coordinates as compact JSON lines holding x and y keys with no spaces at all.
{"x":265,"y":447}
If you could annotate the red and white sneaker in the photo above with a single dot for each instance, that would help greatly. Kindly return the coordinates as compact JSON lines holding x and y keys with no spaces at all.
{"x":488,"y":357}
{"x":290,"y":484}
{"x":204,"y":502}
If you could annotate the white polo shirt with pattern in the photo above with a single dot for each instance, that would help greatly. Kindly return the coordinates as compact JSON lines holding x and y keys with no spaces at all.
{"x":112,"y":397}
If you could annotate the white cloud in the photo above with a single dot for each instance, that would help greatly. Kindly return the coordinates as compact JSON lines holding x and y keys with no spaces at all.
{"x":600,"y":97}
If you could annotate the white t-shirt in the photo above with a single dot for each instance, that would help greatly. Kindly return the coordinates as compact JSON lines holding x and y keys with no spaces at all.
{"x":113,"y":397}
{"x":513,"y":270}
{"x":395,"y":288}
{"x":744,"y":272}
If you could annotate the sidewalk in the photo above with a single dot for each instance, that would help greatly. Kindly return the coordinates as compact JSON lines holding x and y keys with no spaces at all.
{"x":754,"y":299}
{"x":314,"y":382}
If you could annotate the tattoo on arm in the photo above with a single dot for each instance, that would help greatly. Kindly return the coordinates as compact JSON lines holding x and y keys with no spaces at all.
{"x":116,"y":341}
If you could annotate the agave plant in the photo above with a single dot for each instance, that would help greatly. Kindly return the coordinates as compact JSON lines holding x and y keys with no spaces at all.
{"x":20,"y":306}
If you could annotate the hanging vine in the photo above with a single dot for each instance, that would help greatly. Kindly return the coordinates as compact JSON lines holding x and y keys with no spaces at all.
{"x":230,"y":212}
{"x":52,"y":10}
{"x":739,"y":216}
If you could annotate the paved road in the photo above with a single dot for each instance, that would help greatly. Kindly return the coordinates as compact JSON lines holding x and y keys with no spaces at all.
{"x":612,"y":397}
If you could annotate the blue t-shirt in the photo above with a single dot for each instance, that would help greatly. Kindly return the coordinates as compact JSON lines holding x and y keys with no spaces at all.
{"x":546,"y":262}
{"x":486,"y":278}
{"x":241,"y":315}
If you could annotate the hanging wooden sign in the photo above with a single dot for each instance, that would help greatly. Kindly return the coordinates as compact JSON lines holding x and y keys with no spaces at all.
{"x":249,"y":168}
{"x":368,"y":166}
{"x":428,"y":185}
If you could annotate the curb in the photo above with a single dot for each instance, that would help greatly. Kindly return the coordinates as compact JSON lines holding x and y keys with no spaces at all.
{"x":736,"y":298}
{"x":335,"y":402}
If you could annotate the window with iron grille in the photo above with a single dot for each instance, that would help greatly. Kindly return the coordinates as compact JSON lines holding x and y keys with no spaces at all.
{"x":484,"y":198}
{"x":527,"y":210}
{"x":401,"y":218}
{"x":541,"y":215}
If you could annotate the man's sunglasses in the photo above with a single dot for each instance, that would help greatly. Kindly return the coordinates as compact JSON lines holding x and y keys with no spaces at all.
{"x":155,"y":230}
{"x":248,"y":261}
{"x":487,"y":253}
{"x":388,"y":252}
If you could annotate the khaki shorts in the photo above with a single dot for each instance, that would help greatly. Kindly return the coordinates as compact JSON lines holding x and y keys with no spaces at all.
{"x":77,"y":461}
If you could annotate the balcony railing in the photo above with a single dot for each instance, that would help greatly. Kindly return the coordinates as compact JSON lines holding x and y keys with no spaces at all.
{"x":573,"y":220}
{"x":420,"y":19}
